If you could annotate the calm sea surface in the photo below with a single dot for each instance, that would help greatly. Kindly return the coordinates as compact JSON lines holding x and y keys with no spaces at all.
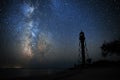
{"x":11,"y":73}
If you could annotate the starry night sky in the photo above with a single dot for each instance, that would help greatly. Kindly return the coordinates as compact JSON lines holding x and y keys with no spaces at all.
{"x":45,"y":33}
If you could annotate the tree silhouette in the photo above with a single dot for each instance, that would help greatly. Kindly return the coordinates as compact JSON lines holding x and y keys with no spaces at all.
{"x":110,"y":48}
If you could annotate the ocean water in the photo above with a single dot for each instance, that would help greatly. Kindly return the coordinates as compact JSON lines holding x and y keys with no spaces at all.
{"x":13,"y":73}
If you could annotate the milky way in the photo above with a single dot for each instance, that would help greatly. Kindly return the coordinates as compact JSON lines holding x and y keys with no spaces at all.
{"x":35,"y":40}
{"x":44,"y":33}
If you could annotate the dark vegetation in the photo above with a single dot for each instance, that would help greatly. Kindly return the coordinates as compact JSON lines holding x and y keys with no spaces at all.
{"x":111,"y":48}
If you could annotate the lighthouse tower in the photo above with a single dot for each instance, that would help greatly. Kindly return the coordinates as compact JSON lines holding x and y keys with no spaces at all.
{"x":82,"y":46}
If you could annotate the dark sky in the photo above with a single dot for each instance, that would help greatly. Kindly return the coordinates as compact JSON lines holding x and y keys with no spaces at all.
{"x":45,"y":33}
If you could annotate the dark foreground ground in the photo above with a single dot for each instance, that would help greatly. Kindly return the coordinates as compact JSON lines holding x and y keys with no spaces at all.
{"x":90,"y":72}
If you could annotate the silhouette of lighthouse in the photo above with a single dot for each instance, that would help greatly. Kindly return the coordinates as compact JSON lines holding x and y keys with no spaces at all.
{"x":82,"y":46}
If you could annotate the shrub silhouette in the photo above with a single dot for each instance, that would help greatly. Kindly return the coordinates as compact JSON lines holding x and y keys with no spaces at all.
{"x":111,"y":48}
